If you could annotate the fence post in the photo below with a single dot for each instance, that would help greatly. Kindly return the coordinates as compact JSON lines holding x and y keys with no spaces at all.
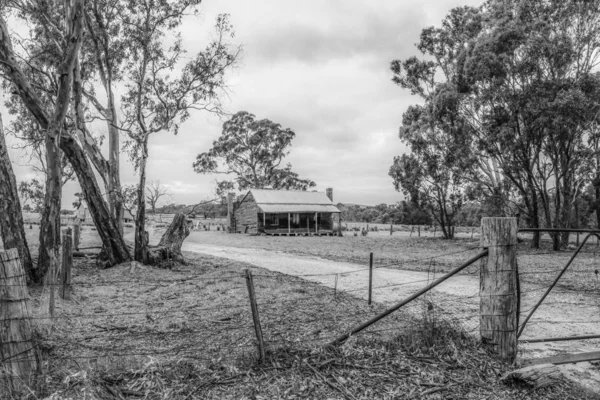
{"x":67,"y":265}
{"x":498,"y":307}
{"x":370,"y":276}
{"x":254,"y":307}
{"x":18,"y":357}
{"x":335,"y":287}
{"x":76,"y":235}
{"x":419,"y":228}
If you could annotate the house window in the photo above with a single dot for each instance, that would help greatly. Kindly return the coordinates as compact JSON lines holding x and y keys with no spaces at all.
{"x":274,"y":219}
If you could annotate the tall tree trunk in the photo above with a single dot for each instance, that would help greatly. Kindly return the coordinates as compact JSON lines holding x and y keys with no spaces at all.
{"x":114,"y":181}
{"x":535,"y":219}
{"x":112,"y":240}
{"x":141,"y":244}
{"x":567,"y":207}
{"x":11,"y":218}
{"x":50,"y":222}
{"x":101,"y":42}
{"x":597,"y":192}
{"x":556,"y":220}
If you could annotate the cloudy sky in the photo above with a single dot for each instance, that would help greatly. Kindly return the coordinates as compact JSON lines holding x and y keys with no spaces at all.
{"x":319,"y":67}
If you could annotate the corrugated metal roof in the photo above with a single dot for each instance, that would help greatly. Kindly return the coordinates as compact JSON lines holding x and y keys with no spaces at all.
{"x":298,"y":208}
{"x":262,"y":196}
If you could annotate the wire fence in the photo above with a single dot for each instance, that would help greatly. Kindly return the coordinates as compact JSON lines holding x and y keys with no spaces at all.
{"x":205,"y":314}
{"x":176,"y":319}
{"x":568,"y":308}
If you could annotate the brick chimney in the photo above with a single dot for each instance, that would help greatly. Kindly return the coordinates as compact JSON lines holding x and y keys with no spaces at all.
{"x":329,"y":193}
{"x":230,"y":215}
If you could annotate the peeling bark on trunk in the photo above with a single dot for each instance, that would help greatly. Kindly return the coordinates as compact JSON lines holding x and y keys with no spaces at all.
{"x":11,"y":218}
{"x":141,"y":246}
{"x":114,"y":180}
{"x":50,"y":222}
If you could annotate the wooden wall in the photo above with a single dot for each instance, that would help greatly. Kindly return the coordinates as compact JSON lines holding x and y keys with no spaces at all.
{"x":249,"y":219}
{"x":246,"y":215}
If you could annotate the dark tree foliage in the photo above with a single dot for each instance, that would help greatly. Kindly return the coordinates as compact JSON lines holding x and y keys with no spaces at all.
{"x":253,"y":152}
{"x":513,"y":87}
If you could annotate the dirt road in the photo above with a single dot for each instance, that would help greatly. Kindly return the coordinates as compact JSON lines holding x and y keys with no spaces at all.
{"x":458,"y":295}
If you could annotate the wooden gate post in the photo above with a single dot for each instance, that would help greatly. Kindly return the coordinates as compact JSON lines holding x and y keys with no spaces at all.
{"x":255,"y":317}
{"x":67,"y":265}
{"x":18,"y":357}
{"x":498,"y":286}
{"x":76,"y":235}
{"x":370,"y":277}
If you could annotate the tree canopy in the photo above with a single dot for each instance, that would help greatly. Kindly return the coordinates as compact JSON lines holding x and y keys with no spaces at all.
{"x":514,"y":86}
{"x":253,"y":152}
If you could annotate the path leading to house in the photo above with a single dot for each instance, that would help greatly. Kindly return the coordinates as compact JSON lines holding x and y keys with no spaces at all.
{"x":323,"y":271}
{"x":458,"y":298}
{"x":567,"y":314}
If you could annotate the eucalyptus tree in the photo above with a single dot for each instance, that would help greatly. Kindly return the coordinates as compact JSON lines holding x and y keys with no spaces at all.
{"x":161,"y":94}
{"x":531,"y":73}
{"x":520,"y":77}
{"x":43,"y":83}
{"x":443,"y":160}
{"x":72,"y":36}
{"x":107,"y":50}
{"x":435,"y":173}
{"x":252,"y":151}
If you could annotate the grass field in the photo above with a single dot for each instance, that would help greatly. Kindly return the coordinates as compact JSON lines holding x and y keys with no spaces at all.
{"x":187,"y":332}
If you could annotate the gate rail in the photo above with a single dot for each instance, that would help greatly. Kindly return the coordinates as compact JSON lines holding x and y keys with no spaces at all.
{"x":591,"y":233}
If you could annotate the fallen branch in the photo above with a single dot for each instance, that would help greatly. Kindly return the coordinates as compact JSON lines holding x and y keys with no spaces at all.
{"x":342,"y":389}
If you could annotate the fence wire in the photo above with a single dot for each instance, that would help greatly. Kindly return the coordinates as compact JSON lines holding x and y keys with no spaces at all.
{"x":200,"y":317}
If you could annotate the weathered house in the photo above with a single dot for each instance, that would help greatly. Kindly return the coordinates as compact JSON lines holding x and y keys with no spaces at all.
{"x":285,"y":212}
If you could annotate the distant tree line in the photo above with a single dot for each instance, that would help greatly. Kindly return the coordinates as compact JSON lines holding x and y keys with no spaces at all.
{"x":470,"y":213}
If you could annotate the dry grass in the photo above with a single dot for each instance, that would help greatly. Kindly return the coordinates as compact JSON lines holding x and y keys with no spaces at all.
{"x":537,"y":267}
{"x":187,"y":333}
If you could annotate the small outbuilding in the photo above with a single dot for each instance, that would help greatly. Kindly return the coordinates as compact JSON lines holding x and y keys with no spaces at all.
{"x":285,"y":212}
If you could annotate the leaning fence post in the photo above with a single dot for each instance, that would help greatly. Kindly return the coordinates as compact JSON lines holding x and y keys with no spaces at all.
{"x":67,"y":265}
{"x":254,"y":307}
{"x":18,"y":357}
{"x":498,"y":296}
{"x":370,"y":276}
